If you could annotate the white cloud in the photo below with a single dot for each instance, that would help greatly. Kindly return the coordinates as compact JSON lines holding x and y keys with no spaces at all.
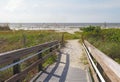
{"x":12,"y":5}
{"x":57,"y":10}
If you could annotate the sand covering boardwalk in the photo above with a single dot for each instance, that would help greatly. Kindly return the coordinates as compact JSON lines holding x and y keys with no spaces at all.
{"x":68,"y":67}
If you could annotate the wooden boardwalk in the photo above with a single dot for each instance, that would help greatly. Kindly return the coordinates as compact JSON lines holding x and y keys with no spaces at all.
{"x":67,"y":68}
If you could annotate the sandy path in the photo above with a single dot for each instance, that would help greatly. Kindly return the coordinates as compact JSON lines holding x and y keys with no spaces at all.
{"x":75,"y":50}
{"x":68,"y":67}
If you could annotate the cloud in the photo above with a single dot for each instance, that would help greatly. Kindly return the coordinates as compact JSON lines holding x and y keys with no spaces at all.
{"x":59,"y":10}
{"x":13,"y":5}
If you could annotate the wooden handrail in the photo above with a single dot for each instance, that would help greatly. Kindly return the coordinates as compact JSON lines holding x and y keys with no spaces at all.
{"x":12,"y":55}
{"x":16,"y":55}
{"x":22,"y":74}
{"x":96,"y":73}
{"x":109,"y":66}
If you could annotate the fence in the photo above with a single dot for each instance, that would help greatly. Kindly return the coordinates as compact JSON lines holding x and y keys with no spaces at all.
{"x":106,"y":68}
{"x":13,"y":59}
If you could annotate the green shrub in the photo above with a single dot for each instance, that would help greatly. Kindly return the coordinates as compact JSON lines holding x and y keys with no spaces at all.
{"x":107,"y":40}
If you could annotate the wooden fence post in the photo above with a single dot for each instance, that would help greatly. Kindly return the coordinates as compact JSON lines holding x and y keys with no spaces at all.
{"x":24,"y":39}
{"x":40,"y":65}
{"x":62,"y":39}
{"x":56,"y":46}
{"x":51,"y":49}
{"x":16,"y":68}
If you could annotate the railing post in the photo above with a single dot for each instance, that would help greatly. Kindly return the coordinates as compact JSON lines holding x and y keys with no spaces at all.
{"x":24,"y":40}
{"x":16,"y":68}
{"x":62,"y":39}
{"x":51,"y":49}
{"x":40,"y":65}
{"x":57,"y":46}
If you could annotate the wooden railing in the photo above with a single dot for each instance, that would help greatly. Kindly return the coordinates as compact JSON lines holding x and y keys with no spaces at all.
{"x":105,"y":64}
{"x":13,"y":59}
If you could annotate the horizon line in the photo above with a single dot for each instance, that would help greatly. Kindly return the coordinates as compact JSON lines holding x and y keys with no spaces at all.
{"x":58,"y":22}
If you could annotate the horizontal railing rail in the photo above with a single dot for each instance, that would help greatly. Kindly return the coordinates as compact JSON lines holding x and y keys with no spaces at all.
{"x":108,"y":65}
{"x":93,"y":65}
{"x":12,"y":55}
{"x":15,"y":57}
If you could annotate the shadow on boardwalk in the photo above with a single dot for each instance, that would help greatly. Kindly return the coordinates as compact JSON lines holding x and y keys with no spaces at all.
{"x":49,"y":75}
{"x":67,"y":68}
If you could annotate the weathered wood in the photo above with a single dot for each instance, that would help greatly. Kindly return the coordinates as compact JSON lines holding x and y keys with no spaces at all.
{"x":94,"y":75}
{"x":22,"y":74}
{"x":51,"y":49}
{"x":40,"y":65}
{"x":24,"y":40}
{"x":12,"y":55}
{"x":18,"y":75}
{"x":62,"y":42}
{"x":16,"y":68}
{"x":109,"y":66}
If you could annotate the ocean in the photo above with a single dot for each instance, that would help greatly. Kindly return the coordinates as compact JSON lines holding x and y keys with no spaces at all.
{"x":29,"y":26}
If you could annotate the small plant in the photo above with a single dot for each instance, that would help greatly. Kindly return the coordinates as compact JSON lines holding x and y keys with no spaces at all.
{"x":4,"y":28}
{"x":84,"y":59}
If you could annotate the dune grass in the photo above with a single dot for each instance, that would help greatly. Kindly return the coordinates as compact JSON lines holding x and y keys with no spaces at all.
{"x":68,"y":36}
{"x":107,"y":40}
{"x":11,"y":40}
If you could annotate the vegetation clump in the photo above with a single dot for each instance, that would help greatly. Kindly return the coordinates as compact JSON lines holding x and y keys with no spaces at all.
{"x":4,"y":28}
{"x":107,"y":40}
{"x":11,"y":40}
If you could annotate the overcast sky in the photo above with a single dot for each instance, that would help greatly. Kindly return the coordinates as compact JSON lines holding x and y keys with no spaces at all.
{"x":59,"y":11}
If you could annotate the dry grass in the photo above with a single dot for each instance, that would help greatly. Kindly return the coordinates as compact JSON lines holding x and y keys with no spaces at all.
{"x":11,"y":40}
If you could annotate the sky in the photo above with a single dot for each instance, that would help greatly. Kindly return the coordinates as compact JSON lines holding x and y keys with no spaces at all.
{"x":59,"y":11}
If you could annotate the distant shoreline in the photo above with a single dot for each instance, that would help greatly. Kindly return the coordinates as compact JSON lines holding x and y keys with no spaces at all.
{"x":57,"y":26}
{"x":62,"y":24}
